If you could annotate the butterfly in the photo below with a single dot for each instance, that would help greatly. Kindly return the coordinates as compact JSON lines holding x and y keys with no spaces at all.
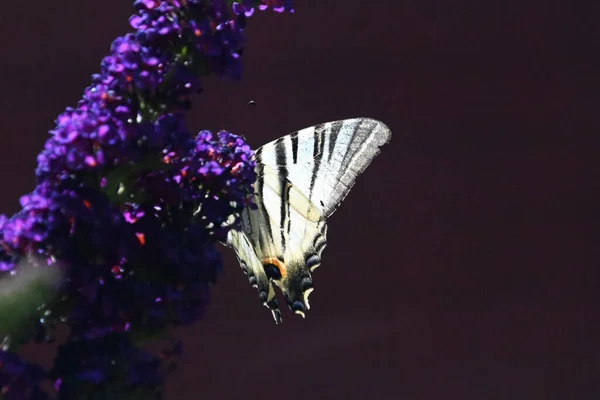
{"x":301,"y":180}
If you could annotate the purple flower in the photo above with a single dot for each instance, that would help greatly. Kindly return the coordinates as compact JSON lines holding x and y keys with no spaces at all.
{"x":129,"y":203}
{"x":84,"y":139}
{"x":155,"y":18}
{"x":246,"y":7}
{"x":224,"y":167}
{"x":40,"y":222}
{"x":102,"y":100}
{"x":112,"y":249}
{"x":277,"y":5}
{"x":84,"y":366}
{"x":134,"y":66}
{"x":20,"y":380}
{"x":220,"y":40}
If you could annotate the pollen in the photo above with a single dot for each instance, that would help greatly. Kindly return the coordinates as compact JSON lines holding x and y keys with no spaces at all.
{"x":236,"y":168}
{"x":141,"y":238}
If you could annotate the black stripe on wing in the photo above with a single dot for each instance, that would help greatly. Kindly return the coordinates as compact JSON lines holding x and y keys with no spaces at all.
{"x":348,"y":155}
{"x":336,"y":127}
{"x":319,"y":145}
{"x":260,"y":188}
{"x":284,"y":189}
{"x":294,"y":139}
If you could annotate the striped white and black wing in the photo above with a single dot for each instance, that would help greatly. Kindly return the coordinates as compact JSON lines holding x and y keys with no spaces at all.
{"x":302,"y":178}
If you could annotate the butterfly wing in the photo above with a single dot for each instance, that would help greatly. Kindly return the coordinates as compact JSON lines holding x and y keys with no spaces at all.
{"x":322,"y":162}
{"x":246,"y":242}
{"x":302,"y":178}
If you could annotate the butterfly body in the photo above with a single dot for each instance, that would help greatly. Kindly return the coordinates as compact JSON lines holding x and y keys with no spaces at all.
{"x":302,"y":178}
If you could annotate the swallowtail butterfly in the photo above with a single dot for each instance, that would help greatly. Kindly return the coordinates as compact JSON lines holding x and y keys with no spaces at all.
{"x":302,"y":178}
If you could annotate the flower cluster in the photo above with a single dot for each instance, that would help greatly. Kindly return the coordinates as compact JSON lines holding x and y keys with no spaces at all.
{"x":129,"y":203}
{"x":84,"y":366}
{"x":20,"y":380}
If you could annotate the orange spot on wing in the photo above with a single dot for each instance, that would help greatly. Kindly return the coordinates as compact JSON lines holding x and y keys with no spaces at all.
{"x":277,"y":263}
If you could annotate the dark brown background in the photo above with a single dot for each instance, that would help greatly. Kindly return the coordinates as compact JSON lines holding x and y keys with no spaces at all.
{"x":465,"y":262}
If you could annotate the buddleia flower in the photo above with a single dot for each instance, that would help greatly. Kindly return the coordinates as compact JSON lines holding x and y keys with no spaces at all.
{"x":128,"y":206}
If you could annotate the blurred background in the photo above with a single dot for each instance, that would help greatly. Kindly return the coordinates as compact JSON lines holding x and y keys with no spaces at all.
{"x":464,"y":264}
